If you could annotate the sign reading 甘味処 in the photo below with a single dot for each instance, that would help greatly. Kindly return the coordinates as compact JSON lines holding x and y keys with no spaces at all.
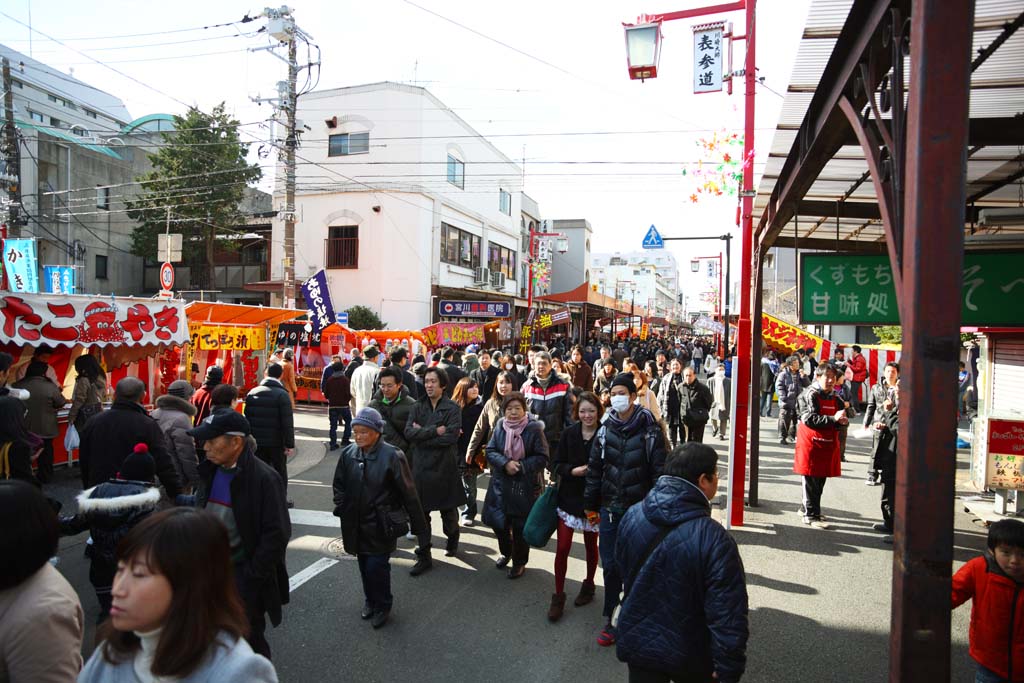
{"x":858,"y":289}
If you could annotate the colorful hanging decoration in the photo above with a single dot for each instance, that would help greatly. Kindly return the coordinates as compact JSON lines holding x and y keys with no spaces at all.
{"x":720,"y":169}
{"x":541,"y":273}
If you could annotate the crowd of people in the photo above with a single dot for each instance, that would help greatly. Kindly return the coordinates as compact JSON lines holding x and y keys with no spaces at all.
{"x":187,"y":507}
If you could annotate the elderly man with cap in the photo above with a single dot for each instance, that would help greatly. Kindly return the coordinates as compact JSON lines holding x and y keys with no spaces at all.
{"x":174,"y":414}
{"x":376,"y":500}
{"x":202,"y":399}
{"x":247,"y":495}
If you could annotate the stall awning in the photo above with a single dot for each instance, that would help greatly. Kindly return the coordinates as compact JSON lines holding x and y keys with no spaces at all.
{"x":75,"y":320}
{"x":238,"y":314}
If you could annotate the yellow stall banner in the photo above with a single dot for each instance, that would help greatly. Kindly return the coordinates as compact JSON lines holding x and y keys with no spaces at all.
{"x":213,"y":337}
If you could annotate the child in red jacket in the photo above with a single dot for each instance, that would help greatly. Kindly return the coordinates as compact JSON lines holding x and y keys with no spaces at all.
{"x":996,"y":583}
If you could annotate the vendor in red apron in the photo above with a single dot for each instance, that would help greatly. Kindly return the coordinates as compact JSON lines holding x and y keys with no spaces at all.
{"x":817,"y":440}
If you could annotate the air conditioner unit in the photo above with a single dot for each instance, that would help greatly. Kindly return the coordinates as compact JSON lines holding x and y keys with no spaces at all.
{"x":1009,"y":216}
{"x":498,"y":280}
{"x":481,"y":276}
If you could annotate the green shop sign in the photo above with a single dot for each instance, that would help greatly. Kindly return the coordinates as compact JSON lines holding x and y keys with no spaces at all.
{"x":857,"y":289}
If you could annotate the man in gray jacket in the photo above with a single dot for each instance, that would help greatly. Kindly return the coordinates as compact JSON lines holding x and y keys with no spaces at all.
{"x":174,"y":413}
{"x":788,"y":385}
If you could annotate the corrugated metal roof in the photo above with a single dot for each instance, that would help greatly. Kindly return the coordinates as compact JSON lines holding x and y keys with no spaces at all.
{"x":997,"y":91}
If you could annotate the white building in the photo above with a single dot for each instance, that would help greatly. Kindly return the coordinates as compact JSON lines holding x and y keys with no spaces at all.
{"x":403,"y":204}
{"x":651,"y":277}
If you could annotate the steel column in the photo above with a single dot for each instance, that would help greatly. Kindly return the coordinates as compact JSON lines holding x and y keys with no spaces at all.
{"x":937,"y":131}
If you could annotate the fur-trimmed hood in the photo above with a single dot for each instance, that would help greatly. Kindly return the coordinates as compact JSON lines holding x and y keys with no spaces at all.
{"x":118,"y":496}
{"x":171,"y":402}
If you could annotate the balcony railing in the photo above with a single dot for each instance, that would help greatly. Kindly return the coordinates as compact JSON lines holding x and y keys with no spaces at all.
{"x":341,"y":252}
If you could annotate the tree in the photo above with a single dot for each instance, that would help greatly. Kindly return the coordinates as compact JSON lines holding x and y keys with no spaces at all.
{"x":363,"y":318}
{"x":888,"y":334}
{"x":200,"y":174}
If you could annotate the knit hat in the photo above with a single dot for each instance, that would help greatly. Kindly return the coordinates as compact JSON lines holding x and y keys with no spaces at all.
{"x":608,"y":362}
{"x":181,"y":389}
{"x":138,"y":466}
{"x":625,"y":379}
{"x":214,"y":374}
{"x":368,"y":417}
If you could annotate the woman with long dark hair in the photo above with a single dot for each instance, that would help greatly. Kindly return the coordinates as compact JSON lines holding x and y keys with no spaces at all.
{"x":89,"y":392}
{"x":18,"y":447}
{"x":176,"y":613}
{"x":518,"y":454}
{"x":569,"y":464}
{"x":467,"y":396}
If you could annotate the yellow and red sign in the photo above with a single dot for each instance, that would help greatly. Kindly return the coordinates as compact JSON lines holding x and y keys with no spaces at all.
{"x":453,"y":334}
{"x":215,"y":337}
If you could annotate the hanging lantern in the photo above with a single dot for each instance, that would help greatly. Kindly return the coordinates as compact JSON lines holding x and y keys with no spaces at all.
{"x":643,"y":50}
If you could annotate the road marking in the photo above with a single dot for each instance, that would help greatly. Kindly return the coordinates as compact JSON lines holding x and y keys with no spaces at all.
{"x":313,"y":518}
{"x":321,"y":565}
{"x":302,"y":482}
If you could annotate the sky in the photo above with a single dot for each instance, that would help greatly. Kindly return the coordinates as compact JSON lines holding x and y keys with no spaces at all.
{"x":517,"y":72}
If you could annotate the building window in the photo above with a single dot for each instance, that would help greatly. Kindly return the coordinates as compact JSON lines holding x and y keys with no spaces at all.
{"x":348,"y":143}
{"x":55,"y":122}
{"x":103,"y":198}
{"x":501,"y":260}
{"x":343,"y":246}
{"x":101,"y":267}
{"x":55,"y":99}
{"x":459,"y":248}
{"x":17,"y":84}
{"x":79,"y":131}
{"x":90,"y":114}
{"x":456,"y":172}
{"x":36,"y":116}
{"x":504,"y":202}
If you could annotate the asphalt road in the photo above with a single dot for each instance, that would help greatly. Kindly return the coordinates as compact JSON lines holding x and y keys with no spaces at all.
{"x":820,"y":599}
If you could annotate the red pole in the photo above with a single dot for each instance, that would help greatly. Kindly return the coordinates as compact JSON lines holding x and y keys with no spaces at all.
{"x":742,"y":364}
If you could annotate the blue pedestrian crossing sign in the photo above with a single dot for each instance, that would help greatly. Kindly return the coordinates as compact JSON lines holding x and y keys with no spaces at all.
{"x":652,"y":240}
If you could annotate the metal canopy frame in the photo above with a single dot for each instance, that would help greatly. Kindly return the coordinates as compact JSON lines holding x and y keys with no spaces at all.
{"x":903,"y":120}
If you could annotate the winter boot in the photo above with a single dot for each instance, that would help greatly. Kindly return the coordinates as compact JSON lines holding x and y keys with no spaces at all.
{"x":557,"y":606}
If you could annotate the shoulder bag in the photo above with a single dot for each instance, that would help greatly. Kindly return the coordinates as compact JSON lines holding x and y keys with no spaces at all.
{"x":627,"y":582}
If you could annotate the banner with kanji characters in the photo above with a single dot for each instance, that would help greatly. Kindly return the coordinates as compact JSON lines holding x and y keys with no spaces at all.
{"x":561,"y":316}
{"x":318,"y":299}
{"x":33,"y":320}
{"x":453,"y":334}
{"x":21,"y":265}
{"x":218,"y":337}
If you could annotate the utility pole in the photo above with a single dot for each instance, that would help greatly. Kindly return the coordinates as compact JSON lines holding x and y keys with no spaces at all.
{"x":281,"y":27}
{"x":12,"y":159}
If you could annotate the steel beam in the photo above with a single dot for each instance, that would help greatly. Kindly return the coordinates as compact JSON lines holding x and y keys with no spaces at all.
{"x":825,"y":244}
{"x":755,"y":379}
{"x":933,"y":247}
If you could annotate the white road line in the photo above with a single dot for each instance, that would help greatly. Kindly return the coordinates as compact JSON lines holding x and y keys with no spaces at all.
{"x":313,"y":518}
{"x":299,"y":482}
{"x":321,"y":565}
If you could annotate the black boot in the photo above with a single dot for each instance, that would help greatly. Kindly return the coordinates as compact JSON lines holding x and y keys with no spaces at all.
{"x":423,"y":562}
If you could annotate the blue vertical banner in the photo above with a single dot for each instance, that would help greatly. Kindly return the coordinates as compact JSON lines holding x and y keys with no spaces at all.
{"x":21,"y":265}
{"x":318,"y":300}
{"x":59,"y":279}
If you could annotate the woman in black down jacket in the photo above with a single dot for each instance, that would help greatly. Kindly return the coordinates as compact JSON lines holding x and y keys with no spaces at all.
{"x":467,"y":396}
{"x":570,"y":465}
{"x":518,"y":454}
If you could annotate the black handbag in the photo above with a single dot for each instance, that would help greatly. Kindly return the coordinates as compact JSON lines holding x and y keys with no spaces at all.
{"x":696,"y":415}
{"x":393,"y":522}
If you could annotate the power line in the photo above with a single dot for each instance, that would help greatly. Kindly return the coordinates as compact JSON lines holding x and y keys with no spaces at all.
{"x":244,"y":20}
{"x":151,"y":45}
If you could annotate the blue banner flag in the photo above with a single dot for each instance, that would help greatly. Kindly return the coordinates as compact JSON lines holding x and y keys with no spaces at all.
{"x":21,"y":266}
{"x":318,"y":300}
{"x":59,"y":279}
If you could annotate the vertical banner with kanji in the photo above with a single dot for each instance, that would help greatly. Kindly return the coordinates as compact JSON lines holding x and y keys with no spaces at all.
{"x":59,"y":279}
{"x":318,"y":299}
{"x":707,"y":57}
{"x":21,"y":266}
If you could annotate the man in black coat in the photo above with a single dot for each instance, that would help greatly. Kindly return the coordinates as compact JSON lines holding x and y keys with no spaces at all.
{"x":268,"y":408}
{"x":486,"y":375}
{"x":248,"y":497}
{"x":399,"y":358}
{"x":453,"y":371}
{"x":109,"y":437}
{"x":433,"y":430}
{"x":695,"y":405}
{"x":373,"y":487}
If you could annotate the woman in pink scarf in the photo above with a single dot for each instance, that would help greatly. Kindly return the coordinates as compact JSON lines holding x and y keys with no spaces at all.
{"x":518,"y":454}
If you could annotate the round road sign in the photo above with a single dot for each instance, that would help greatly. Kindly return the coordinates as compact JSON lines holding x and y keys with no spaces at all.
{"x":167,"y":276}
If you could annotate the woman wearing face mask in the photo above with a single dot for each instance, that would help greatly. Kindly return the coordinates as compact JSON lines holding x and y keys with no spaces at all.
{"x":570,"y":466}
{"x":176,"y":614}
{"x":508,"y":364}
{"x":518,"y":454}
{"x":627,"y":458}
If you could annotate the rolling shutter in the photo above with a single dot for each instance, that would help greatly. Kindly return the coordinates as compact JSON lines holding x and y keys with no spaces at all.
{"x":1008,"y":377}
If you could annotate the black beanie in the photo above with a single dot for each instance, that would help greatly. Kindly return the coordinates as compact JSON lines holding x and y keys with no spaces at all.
{"x":138,"y":466}
{"x":625,"y":379}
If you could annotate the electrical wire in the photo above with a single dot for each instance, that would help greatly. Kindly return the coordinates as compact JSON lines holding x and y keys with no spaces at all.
{"x":151,"y":45}
{"x":246,"y":19}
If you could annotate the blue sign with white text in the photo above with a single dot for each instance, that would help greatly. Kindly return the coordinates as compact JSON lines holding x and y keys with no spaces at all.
{"x":21,"y":265}
{"x":342,"y":317}
{"x":474,"y":309}
{"x":652,"y":240}
{"x":59,"y":279}
{"x":318,"y":299}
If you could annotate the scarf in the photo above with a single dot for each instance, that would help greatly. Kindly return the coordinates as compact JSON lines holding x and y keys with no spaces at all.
{"x":514,"y":448}
{"x":639,"y":420}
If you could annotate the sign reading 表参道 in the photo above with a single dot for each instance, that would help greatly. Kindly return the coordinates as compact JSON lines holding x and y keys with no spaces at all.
{"x":858,"y":289}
